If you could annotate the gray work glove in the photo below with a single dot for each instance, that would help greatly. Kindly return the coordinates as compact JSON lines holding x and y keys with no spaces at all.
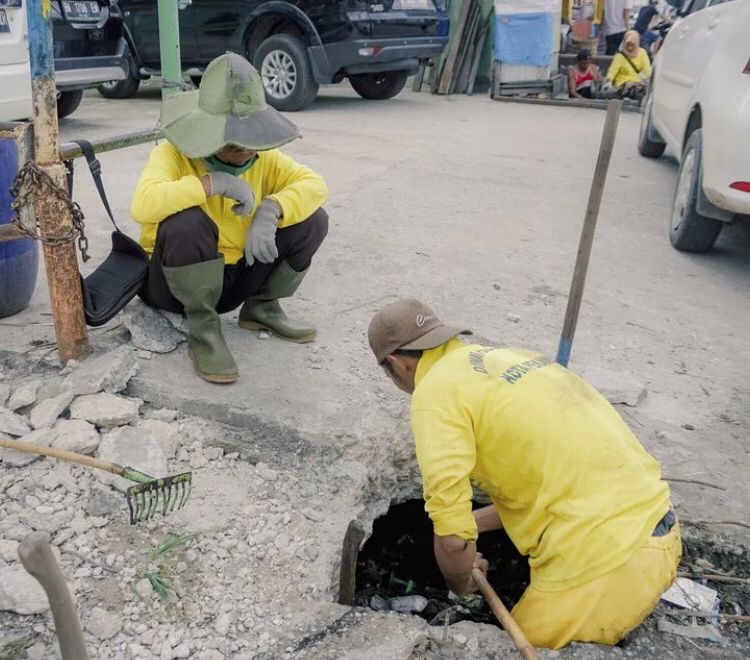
{"x":230,"y":186}
{"x":261,"y":237}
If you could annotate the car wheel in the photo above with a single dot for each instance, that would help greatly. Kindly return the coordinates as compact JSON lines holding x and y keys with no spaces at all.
{"x":286,"y":72}
{"x":379,"y":86}
{"x":67,"y":102}
{"x":646,"y":146}
{"x":123,"y":89}
{"x":690,"y":231}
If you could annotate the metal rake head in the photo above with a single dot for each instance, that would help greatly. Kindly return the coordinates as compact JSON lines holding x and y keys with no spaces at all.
{"x":166,"y":494}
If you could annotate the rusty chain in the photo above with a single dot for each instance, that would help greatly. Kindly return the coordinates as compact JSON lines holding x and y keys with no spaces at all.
{"x":31,"y":180}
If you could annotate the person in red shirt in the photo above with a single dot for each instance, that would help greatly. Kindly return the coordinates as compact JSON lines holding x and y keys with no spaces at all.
{"x":584,"y":76}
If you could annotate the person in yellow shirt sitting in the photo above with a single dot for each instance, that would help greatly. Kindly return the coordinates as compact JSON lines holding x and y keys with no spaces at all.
{"x":569,"y":482}
{"x":227,"y":218}
{"x":630,"y":69}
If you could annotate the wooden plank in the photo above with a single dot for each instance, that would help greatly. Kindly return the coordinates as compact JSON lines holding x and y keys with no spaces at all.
{"x":434,"y":77}
{"x":587,"y":233}
{"x":477,"y":59}
{"x":453,"y":49}
{"x":419,"y":76}
{"x":467,"y":48}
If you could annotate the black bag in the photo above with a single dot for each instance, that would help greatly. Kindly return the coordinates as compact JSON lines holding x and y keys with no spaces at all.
{"x":123,"y":273}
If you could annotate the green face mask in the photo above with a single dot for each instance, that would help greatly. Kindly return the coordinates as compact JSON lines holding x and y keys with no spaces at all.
{"x":217,"y":165}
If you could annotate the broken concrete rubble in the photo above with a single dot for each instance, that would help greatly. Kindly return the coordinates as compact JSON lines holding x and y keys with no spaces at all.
{"x":107,"y":373}
{"x":4,"y":393}
{"x":45,"y":414}
{"x":75,"y":435}
{"x":21,"y":593}
{"x":25,"y":395}
{"x":105,"y":410}
{"x":40,"y":437}
{"x":150,"y":330}
{"x":134,"y":447}
{"x":13,"y":424}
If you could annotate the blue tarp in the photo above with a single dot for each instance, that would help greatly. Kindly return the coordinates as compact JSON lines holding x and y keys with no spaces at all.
{"x":524,"y":39}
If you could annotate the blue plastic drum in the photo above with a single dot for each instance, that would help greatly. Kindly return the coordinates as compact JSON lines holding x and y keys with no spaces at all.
{"x":19,"y":259}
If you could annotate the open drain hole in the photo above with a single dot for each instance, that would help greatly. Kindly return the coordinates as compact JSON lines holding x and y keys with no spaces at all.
{"x":396,"y":569}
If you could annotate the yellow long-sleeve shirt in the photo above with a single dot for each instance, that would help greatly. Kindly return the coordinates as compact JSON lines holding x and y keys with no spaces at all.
{"x":573,"y":487}
{"x":170,"y":182}
{"x":620,"y":71}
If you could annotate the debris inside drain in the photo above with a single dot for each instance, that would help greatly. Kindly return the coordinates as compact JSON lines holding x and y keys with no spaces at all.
{"x":397,"y":571}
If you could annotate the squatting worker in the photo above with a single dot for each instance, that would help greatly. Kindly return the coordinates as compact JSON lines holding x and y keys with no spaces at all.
{"x":227,"y":218}
{"x":569,"y":482}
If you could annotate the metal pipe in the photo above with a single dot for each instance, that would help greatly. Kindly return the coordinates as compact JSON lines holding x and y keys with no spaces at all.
{"x":169,"y":46}
{"x":54,"y":216}
{"x":70,"y":150}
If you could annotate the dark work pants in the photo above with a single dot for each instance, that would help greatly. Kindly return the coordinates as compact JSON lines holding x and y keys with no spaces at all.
{"x":190,"y":237}
{"x":613,"y":42}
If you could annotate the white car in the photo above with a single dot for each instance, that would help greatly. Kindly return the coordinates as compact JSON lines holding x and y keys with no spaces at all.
{"x":15,"y":78}
{"x":698,"y":105}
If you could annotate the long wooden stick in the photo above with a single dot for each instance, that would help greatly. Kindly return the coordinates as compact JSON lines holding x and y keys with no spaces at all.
{"x":36,"y":556}
{"x":63,"y":455}
{"x":587,"y":233}
{"x":527,"y":651}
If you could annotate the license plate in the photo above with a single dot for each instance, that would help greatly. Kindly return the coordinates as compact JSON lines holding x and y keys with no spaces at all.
{"x":4,"y":25}
{"x":82,"y":9}
{"x":406,"y":5}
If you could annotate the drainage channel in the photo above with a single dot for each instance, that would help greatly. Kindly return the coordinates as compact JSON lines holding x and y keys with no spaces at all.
{"x":395,"y":569}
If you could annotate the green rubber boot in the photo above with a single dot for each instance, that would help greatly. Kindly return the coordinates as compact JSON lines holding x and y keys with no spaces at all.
{"x":198,"y":288}
{"x":263,"y":312}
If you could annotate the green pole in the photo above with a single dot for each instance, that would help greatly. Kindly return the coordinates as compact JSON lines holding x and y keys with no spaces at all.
{"x":169,"y":46}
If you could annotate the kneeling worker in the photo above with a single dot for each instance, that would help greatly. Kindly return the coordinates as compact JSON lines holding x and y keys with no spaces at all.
{"x":227,"y":218}
{"x":569,"y":482}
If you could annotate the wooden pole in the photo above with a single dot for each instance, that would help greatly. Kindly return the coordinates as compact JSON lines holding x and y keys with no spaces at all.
{"x":53,"y":215}
{"x":355,"y":533}
{"x":35,"y":553}
{"x":527,"y":651}
{"x":587,"y":233}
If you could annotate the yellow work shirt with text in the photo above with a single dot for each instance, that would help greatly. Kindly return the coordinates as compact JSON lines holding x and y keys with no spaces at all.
{"x":170,"y":182}
{"x":573,"y":486}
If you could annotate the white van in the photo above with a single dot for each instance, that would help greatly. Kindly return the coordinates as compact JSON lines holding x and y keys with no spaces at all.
{"x":15,"y":76}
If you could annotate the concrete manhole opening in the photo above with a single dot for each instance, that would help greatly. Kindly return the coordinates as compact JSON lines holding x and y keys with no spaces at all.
{"x":396,"y":569}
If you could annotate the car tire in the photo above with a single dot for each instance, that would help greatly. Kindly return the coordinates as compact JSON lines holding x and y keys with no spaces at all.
{"x":689,"y":231}
{"x":67,"y":102}
{"x":646,"y":146}
{"x":379,"y":86}
{"x":123,"y":89}
{"x":285,"y":69}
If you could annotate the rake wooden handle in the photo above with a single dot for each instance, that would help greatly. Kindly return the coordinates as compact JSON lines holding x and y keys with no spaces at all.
{"x":37,"y":558}
{"x":527,"y":651}
{"x":71,"y":457}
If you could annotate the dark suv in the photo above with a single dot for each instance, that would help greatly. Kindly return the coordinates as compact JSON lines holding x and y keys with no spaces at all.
{"x":296,"y":45}
{"x":90,"y":48}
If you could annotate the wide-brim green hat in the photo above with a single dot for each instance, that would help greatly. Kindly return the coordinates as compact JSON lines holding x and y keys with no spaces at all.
{"x":229,"y":107}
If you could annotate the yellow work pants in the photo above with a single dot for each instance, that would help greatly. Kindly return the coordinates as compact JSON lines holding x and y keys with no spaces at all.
{"x":607,"y":608}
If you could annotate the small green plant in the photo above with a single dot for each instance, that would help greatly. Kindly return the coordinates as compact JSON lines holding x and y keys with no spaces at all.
{"x":16,"y":648}
{"x":161,"y":584}
{"x":160,"y":578}
{"x":170,"y":543}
